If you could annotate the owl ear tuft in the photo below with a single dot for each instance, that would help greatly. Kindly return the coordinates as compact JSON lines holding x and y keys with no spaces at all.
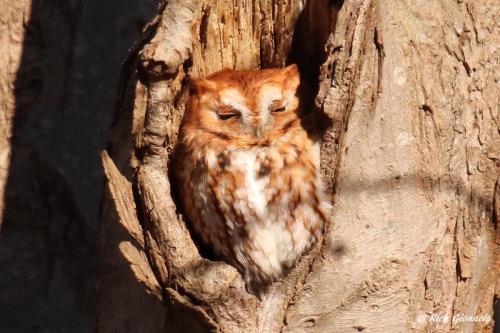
{"x":201,"y":86}
{"x":292,"y":71}
{"x":292,"y":75}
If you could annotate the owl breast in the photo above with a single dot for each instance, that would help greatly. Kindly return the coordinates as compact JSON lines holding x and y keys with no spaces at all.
{"x":248,"y":173}
{"x":259,"y":208}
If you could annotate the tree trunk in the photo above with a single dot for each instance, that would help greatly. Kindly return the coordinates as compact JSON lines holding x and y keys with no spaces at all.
{"x":410,"y":158}
{"x":57,"y":92}
{"x":44,"y":280}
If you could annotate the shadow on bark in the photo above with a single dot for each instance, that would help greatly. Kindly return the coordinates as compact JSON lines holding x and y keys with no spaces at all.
{"x":44,"y":251}
{"x":155,"y":141}
{"x":48,"y":233}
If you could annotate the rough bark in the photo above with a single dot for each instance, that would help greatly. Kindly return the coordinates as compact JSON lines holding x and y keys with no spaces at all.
{"x":416,"y":176}
{"x":59,"y":62}
{"x":410,"y":158}
{"x":43,"y":249}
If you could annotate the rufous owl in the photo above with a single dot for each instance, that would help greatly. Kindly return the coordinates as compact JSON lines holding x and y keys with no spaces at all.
{"x":248,"y":173}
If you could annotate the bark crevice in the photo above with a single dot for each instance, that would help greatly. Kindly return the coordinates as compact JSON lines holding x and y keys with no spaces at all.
{"x":370,"y":100}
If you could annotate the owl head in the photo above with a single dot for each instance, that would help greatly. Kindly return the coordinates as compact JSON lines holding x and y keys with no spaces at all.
{"x":245,"y":107}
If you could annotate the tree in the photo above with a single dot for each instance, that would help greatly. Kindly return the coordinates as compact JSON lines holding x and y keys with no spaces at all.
{"x":410,"y":158}
{"x":57,"y":91}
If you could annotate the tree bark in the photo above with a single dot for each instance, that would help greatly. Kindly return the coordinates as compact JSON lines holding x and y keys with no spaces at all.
{"x":45,"y":282}
{"x":57,"y":92}
{"x":410,"y":158}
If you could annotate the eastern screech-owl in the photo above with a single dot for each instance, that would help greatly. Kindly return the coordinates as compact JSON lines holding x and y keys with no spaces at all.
{"x":248,"y":172}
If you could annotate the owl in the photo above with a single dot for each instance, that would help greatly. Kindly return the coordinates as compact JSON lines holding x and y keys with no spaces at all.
{"x":248,"y":173}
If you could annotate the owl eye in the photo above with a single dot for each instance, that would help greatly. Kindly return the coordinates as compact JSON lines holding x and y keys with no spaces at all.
{"x":226,"y":116}
{"x":280,"y":109}
{"x":226,"y":113}
{"x":276,"y":106}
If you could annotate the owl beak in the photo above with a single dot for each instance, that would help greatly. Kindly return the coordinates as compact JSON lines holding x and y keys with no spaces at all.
{"x":258,"y":127}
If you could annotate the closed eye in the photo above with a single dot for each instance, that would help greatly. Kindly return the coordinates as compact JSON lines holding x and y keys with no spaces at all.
{"x":227,"y":112}
{"x":226,"y":116}
{"x":277,"y":106}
